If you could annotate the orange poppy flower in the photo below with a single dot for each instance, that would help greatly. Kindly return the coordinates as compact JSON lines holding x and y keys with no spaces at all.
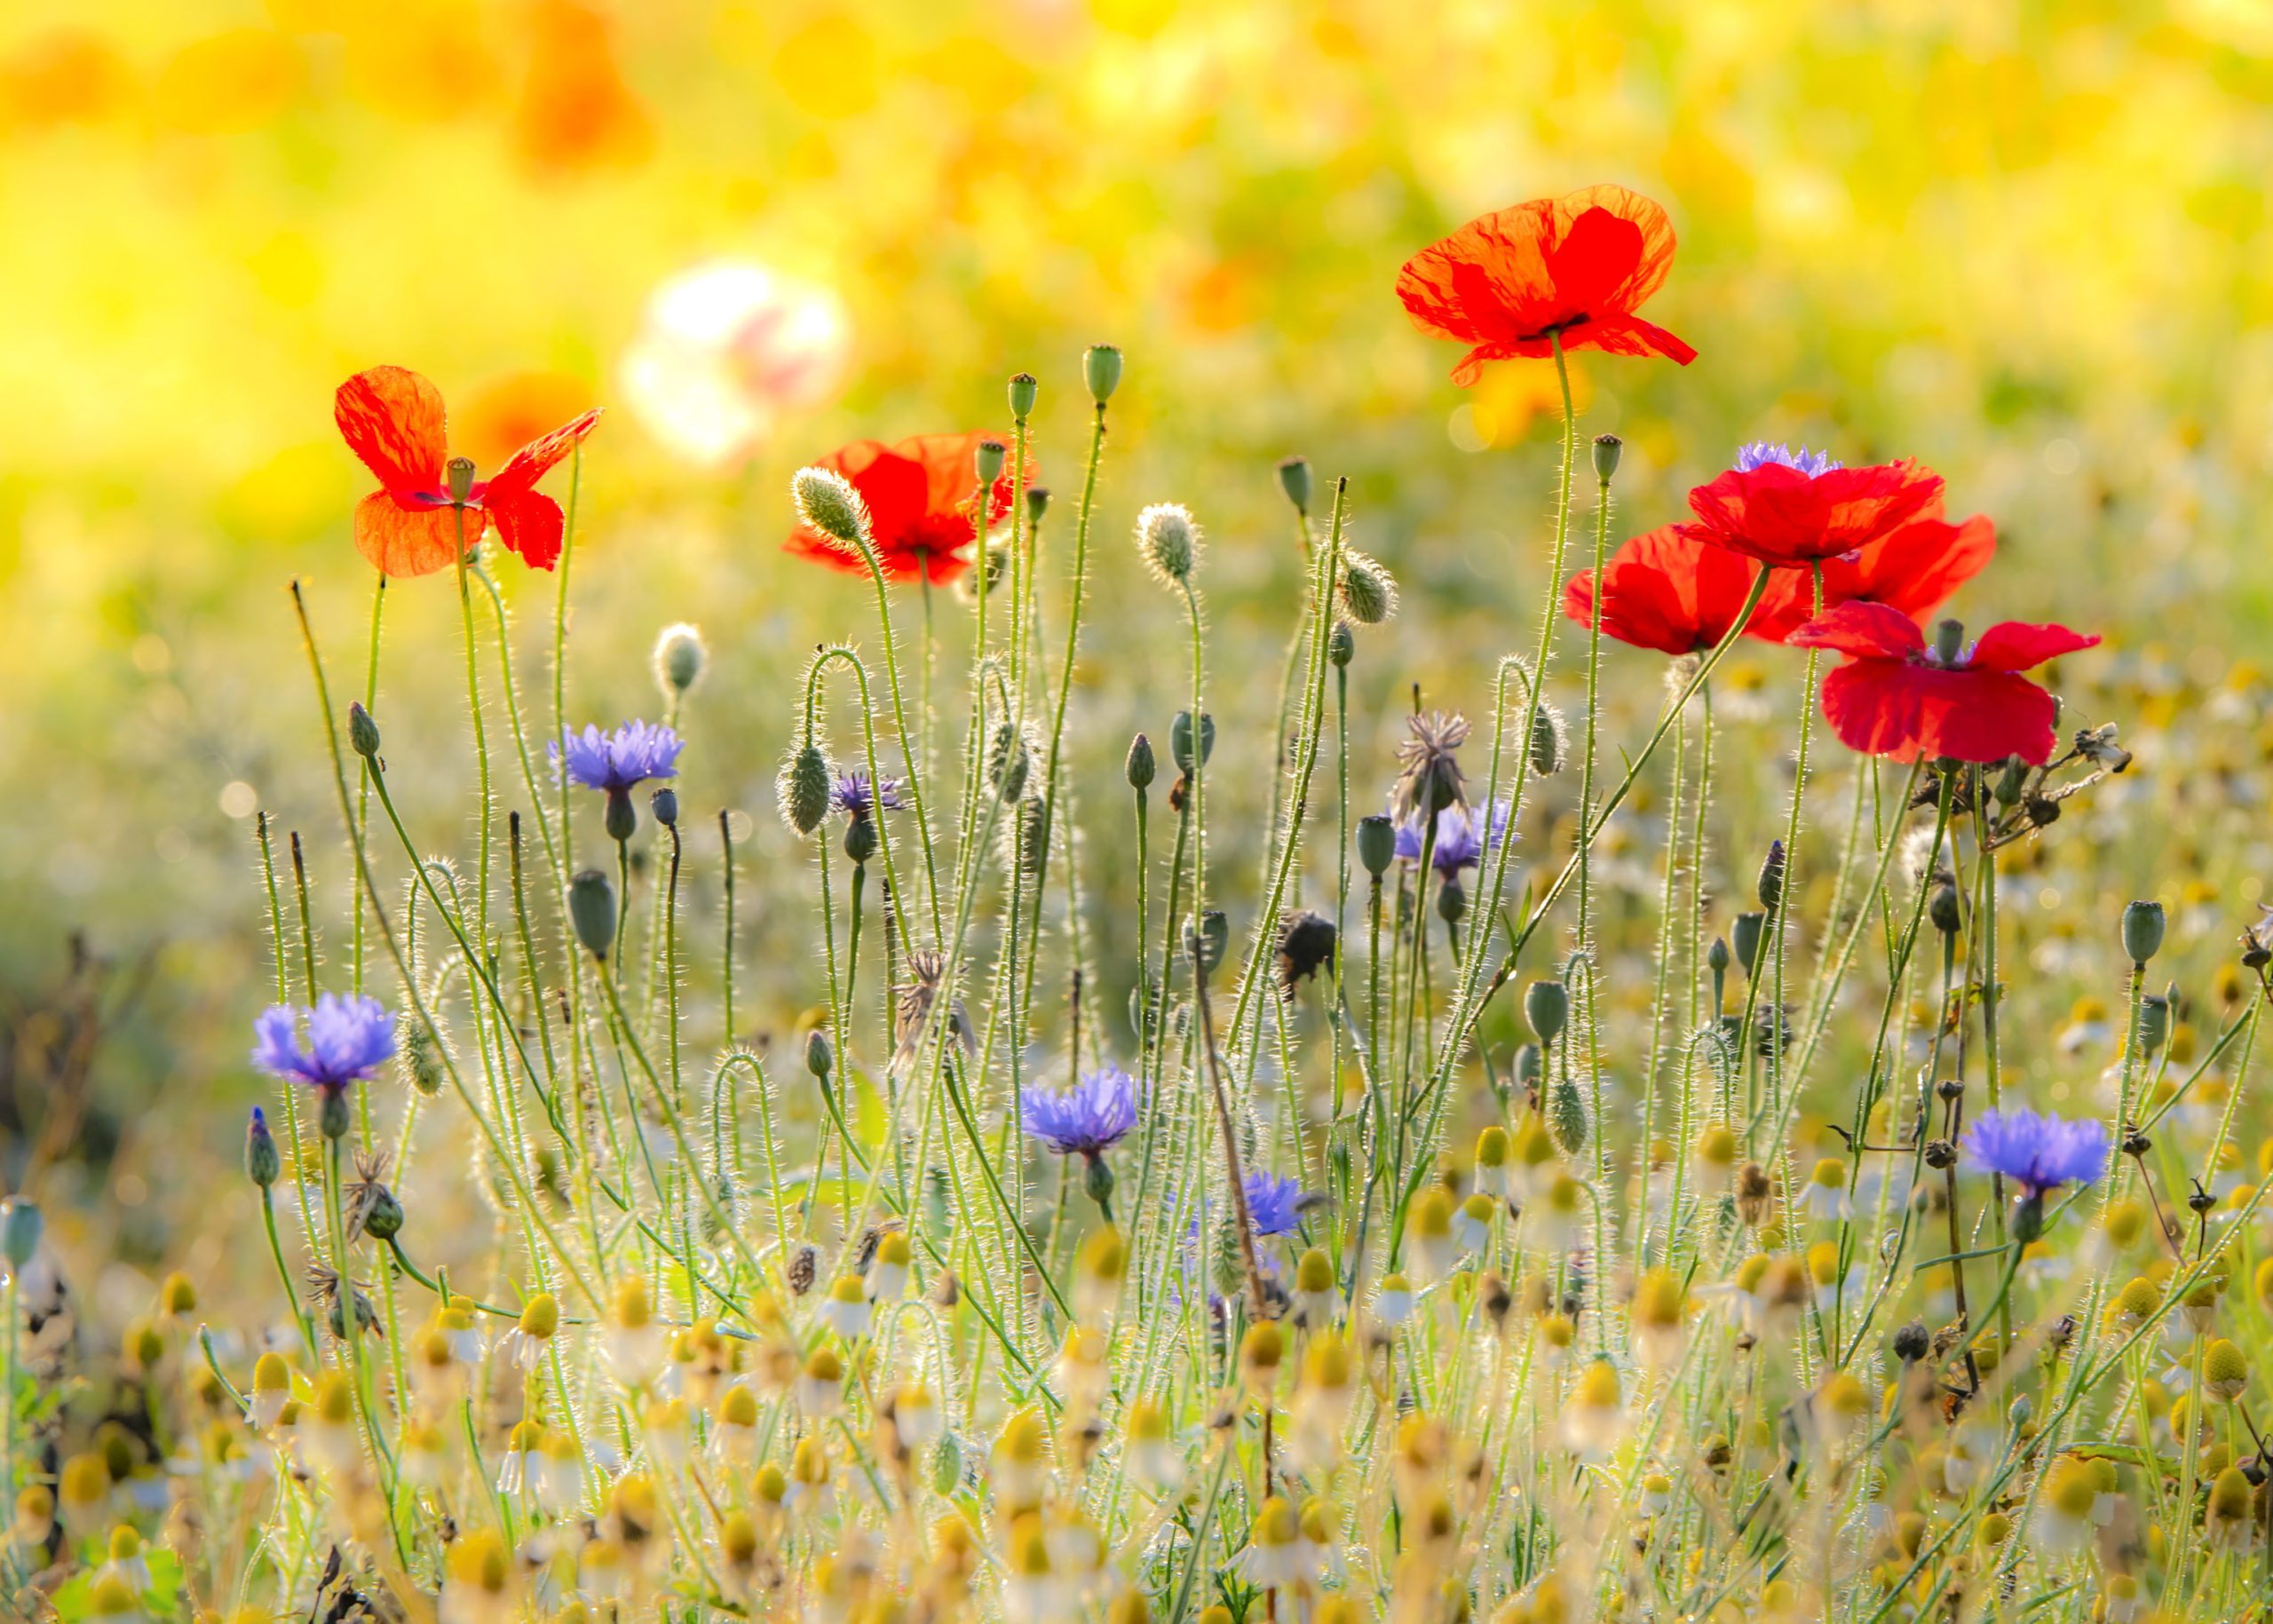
{"x":919,"y":497}
{"x":1507,"y":284}
{"x":393,"y":420}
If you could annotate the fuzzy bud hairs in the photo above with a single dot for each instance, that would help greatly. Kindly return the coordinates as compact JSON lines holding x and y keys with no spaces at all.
{"x":1168,"y":541}
{"x":829,"y":504}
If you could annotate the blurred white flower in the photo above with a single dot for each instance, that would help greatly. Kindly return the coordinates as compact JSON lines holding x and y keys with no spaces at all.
{"x":723,"y":348}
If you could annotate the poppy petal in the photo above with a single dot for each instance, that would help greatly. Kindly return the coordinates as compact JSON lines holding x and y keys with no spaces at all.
{"x":1864,"y":630}
{"x":535,"y":460}
{"x":2016,"y":646}
{"x":395,"y":420}
{"x":1666,"y":592}
{"x":1917,"y":568}
{"x":1628,"y":335}
{"x":530,"y":522}
{"x":402,"y":538}
{"x":1903,"y":711}
{"x":1595,"y":258}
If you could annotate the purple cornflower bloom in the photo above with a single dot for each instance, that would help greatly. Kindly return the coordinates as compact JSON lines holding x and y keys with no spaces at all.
{"x":349,"y":1038}
{"x":851,"y":796}
{"x":1275,"y":1205}
{"x":1087,"y":1120}
{"x":1759,"y":452}
{"x":1461,"y":840}
{"x":2037,"y":1153}
{"x":615,"y":762}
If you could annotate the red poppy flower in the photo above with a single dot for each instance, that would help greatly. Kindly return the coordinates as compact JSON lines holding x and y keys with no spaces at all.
{"x":1665,"y":591}
{"x":919,"y":496}
{"x":1506,"y":283}
{"x":393,"y":419}
{"x":1897,"y":697}
{"x":1790,"y":509}
{"x":1914,"y":569}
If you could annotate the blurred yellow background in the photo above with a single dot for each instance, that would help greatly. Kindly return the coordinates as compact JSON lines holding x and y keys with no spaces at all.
{"x":2022,"y":241}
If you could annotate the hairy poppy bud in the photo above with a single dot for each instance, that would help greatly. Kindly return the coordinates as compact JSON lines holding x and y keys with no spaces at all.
{"x":459,"y":471}
{"x":1770,"y":886}
{"x":1376,"y":843}
{"x":988,"y":460}
{"x":1547,"y":741}
{"x":1101,"y":371}
{"x":1547,"y":1005}
{"x":2142,"y":930}
{"x":679,"y":658}
{"x":1747,"y":933}
{"x":1024,"y":388}
{"x":801,"y":789}
{"x":591,"y":910}
{"x":1141,"y":769}
{"x":664,"y":805}
{"x":1607,"y":447}
{"x":819,"y":1056}
{"x":1566,"y":1115}
{"x":1168,"y":541}
{"x":262,"y":1164}
{"x":1180,"y":740}
{"x":20,"y":1225}
{"x":363,"y":732}
{"x":828,"y":501}
{"x":1341,"y":644}
{"x":1208,"y":938}
{"x":1295,"y":480}
{"x":1368,"y":591}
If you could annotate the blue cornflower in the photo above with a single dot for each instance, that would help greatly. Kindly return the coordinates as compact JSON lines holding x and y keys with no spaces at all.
{"x":349,"y":1038}
{"x":1275,"y":1205}
{"x":1811,"y":463}
{"x":851,"y":795}
{"x":1087,"y":1120}
{"x":1462,"y":840}
{"x":615,"y":762}
{"x":2037,"y":1153}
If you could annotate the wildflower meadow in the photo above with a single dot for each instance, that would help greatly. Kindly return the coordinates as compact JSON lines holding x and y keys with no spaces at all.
{"x":1133,"y":1038}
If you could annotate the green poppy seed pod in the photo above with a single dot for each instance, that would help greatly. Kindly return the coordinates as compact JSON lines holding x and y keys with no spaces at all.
{"x":1531,"y":1065}
{"x":383,"y":1220}
{"x":1142,"y":769}
{"x":1451,"y":902}
{"x":828,"y":503}
{"x":664,"y":805}
{"x":820,"y":1058}
{"x":1770,"y":887}
{"x":21,"y":1226}
{"x":591,"y":910}
{"x":1101,"y":371}
{"x":2154,"y":1022}
{"x":459,"y":471}
{"x":1949,"y":641}
{"x":1180,"y":740}
{"x":1607,"y":447}
{"x":1097,"y":1179}
{"x":1368,"y":591}
{"x":1376,"y":843}
{"x":363,"y":732}
{"x":1168,"y":541}
{"x":861,"y":838}
{"x":620,"y":818}
{"x":262,"y":1166}
{"x":988,"y":460}
{"x":1341,"y":644}
{"x":1747,"y":933}
{"x":1716,"y":956}
{"x":1295,"y":480}
{"x":2010,"y":782}
{"x":334,"y":1116}
{"x":1566,"y":1117}
{"x":1024,"y":388}
{"x":1547,"y":1005}
{"x":1207,"y":940}
{"x":679,"y":658}
{"x":801,"y":789}
{"x":2142,"y":930}
{"x":1037,"y":505}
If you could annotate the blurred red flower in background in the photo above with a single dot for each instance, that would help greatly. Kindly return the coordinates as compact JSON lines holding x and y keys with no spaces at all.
{"x":919,"y":497}
{"x":395,"y":420}
{"x":1507,"y":284}
{"x":1899,"y":696}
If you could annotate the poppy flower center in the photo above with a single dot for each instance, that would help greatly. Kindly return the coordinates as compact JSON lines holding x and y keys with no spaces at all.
{"x":1949,"y":651}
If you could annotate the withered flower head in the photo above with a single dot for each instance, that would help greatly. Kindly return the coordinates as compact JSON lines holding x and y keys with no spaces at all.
{"x":1429,"y":778}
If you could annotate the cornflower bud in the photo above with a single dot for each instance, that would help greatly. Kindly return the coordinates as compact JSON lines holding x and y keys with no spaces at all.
{"x":591,"y":910}
{"x":1101,"y":371}
{"x":363,"y":732}
{"x":1295,"y":480}
{"x":1770,"y":886}
{"x":1141,"y":769}
{"x":820,"y":1057}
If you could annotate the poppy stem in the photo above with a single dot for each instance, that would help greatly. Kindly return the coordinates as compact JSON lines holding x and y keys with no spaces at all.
{"x":480,"y":740}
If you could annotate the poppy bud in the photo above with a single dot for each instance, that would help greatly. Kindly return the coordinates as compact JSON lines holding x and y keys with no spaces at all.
{"x":1747,"y":933}
{"x":1208,"y":939}
{"x":828,"y":501}
{"x":860,"y":839}
{"x":1376,"y":843}
{"x":1771,"y":888}
{"x":1607,"y":447}
{"x":1180,"y":740}
{"x":1037,"y":505}
{"x":21,"y":1225}
{"x":1033,"y":837}
{"x":819,"y":1056}
{"x":664,"y":805}
{"x":620,"y":819}
{"x":1341,"y":644}
{"x":1167,"y":541}
{"x":591,"y":910}
{"x":1295,"y":480}
{"x":679,"y":658}
{"x":1547,"y":741}
{"x":1547,"y":1005}
{"x":1023,"y":387}
{"x":1368,"y":591}
{"x":989,"y":462}
{"x":2142,"y":930}
{"x":262,"y":1164}
{"x":459,"y":471}
{"x":1101,"y":371}
{"x":801,"y":789}
{"x":1949,"y":641}
{"x":1142,"y":769}
{"x":363,"y":732}
{"x":1567,"y":1113}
